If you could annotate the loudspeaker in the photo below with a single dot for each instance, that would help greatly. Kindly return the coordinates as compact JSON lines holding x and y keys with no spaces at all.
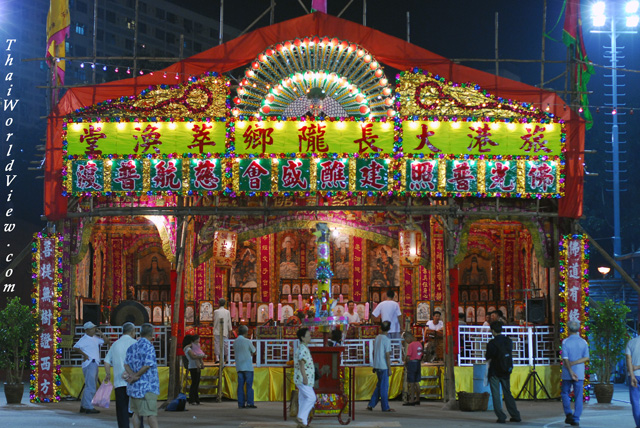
{"x":91,"y":312}
{"x":537,"y":312}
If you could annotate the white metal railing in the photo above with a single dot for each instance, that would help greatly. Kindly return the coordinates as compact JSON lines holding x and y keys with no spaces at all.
{"x":530,"y":344}
{"x":160,"y":342}
{"x":278,"y":352}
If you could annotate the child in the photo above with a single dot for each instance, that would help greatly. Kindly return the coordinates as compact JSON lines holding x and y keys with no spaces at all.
{"x":197,"y":351}
{"x":413,"y":367}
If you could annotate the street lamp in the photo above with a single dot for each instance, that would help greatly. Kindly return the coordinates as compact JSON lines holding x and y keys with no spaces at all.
{"x":604,"y":270}
{"x":603,"y":13}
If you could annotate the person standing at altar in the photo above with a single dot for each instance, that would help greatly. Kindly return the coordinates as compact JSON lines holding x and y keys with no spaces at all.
{"x":382,"y":368}
{"x":221,"y":317}
{"x":352,"y":316}
{"x":575,"y":352}
{"x":389,"y":311}
{"x":244,"y":351}
{"x":433,"y":331}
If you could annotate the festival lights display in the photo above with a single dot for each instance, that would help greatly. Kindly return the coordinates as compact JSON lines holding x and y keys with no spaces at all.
{"x":46,"y":349}
{"x":431,"y":137}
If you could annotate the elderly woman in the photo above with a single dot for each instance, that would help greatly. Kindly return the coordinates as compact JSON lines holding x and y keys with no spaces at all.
{"x":304,"y":377}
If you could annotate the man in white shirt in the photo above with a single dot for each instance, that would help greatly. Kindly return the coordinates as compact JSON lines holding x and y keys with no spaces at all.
{"x":389,"y":310}
{"x":221,"y":316}
{"x":435,"y":324}
{"x":352,"y":316}
{"x":89,"y":347}
{"x":115,"y":358}
{"x":434,"y":332}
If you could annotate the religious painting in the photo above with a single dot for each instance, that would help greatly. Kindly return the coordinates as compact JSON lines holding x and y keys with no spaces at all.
{"x":246,"y":297}
{"x":360,"y":309}
{"x":475,"y":270}
{"x":423,"y":311}
{"x":289,"y":255}
{"x":345,"y":289}
{"x":154,"y":269}
{"x":244,"y":269}
{"x":383,"y":267}
{"x":144,"y":295}
{"x":157,"y":313}
{"x":341,"y":256}
{"x":474,"y":295}
{"x":286,"y":289}
{"x":167,"y":314}
{"x":312,"y":256}
{"x":190,"y":313}
{"x":263,"y":313}
{"x":335,"y":289}
{"x":491,"y":307}
{"x":338,"y":310}
{"x":237,"y":297}
{"x":155,"y":294}
{"x":206,"y":311}
{"x":481,"y":314}
{"x":471,"y":314}
{"x":295,"y":289}
{"x":464,"y":296}
{"x":519,"y":313}
{"x":287,"y":311}
{"x":375,"y":296}
{"x":484,"y":294}
{"x":306,"y":288}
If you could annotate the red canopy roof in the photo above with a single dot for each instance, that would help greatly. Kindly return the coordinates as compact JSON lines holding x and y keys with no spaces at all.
{"x":387,"y":49}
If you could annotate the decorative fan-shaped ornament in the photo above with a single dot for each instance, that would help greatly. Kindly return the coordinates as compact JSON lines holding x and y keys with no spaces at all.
{"x":315,"y":77}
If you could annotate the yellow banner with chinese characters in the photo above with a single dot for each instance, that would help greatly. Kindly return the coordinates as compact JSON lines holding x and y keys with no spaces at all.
{"x":482,"y":138}
{"x":254,"y":137}
{"x":144,"y":138}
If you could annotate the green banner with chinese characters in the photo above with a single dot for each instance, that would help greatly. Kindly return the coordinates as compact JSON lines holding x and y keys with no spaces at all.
{"x":252,"y":137}
{"x":126,"y":175}
{"x":254,"y":175}
{"x":205,"y":174}
{"x":372,"y":175}
{"x":87,"y":176}
{"x":496,"y":138}
{"x":294,"y":175}
{"x":143,"y":138}
{"x":501,"y":177}
{"x":165,"y":175}
{"x":333,"y":175}
{"x":462,"y":176}
{"x":422,"y":176}
{"x":540,"y":177}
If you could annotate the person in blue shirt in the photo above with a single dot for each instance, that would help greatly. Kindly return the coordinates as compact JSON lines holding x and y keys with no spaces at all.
{"x":141,"y":369}
{"x":575,"y":352}
{"x":244,"y":352}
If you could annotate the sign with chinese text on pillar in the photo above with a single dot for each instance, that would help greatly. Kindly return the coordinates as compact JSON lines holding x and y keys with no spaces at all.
{"x":47,"y":278}
{"x":224,"y":247}
{"x":574,"y":285}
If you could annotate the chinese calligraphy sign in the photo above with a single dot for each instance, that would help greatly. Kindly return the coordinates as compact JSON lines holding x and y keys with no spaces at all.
{"x":254,"y":175}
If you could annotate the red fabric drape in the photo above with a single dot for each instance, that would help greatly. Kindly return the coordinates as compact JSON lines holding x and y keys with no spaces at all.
{"x":387,"y":49}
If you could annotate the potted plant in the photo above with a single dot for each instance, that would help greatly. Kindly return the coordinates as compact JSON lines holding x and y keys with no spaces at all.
{"x":18,"y":325}
{"x":608,"y":338}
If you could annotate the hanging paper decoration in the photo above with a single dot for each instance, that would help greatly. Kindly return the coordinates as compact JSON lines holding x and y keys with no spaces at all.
{"x":46,"y":297}
{"x":410,"y":246}
{"x":224,"y":247}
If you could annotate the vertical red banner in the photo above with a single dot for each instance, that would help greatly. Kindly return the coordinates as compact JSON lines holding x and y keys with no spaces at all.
{"x":424,"y":283}
{"x":357,"y":269}
{"x":453,"y":286}
{"x":408,"y":292}
{"x":303,"y":259}
{"x":438,"y":267}
{"x":573,"y":281}
{"x":200,"y":283}
{"x":218,"y":281}
{"x":118,"y":271}
{"x":47,"y":276}
{"x":265,"y":268}
{"x":179,"y":327}
{"x":509,"y":262}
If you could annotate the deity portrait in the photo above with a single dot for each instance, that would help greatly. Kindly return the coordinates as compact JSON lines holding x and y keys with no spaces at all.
{"x":289,"y":257}
{"x":360,"y":310}
{"x":263,"y":313}
{"x":286,"y":289}
{"x":306,"y":289}
{"x":383,"y":262}
{"x":189,"y":314}
{"x":236,"y":297}
{"x":341,"y":255}
{"x":471,"y":314}
{"x":338,"y":310}
{"x":295,"y":289}
{"x":244,"y":270}
{"x":246,"y":297}
{"x":346,"y":289}
{"x":335,"y":290}
{"x":157,"y":314}
{"x":155,"y":273}
{"x":474,"y":273}
{"x":423,"y":312}
{"x":481,"y":314}
{"x":484,"y":294}
{"x":287,"y":312}
{"x":154,"y":295}
{"x":206,"y":311}
{"x":312,"y":257}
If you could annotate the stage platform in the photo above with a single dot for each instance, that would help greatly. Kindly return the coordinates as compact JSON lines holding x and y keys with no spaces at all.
{"x":268,"y":381}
